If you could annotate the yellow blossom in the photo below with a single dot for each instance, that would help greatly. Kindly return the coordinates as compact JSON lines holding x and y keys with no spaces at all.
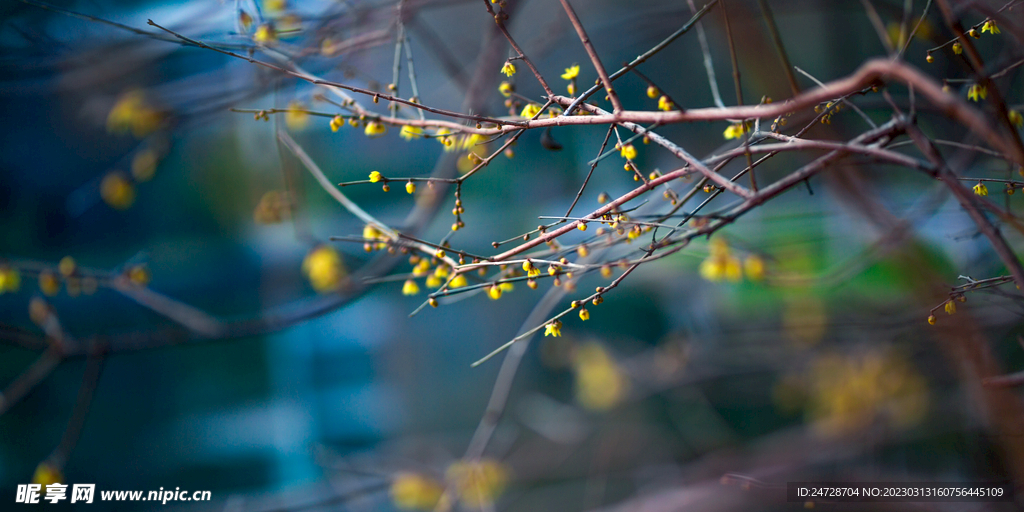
{"x":375,"y":176}
{"x":117,"y":190}
{"x":67,"y":266}
{"x":139,"y":275}
{"x":410,"y":287}
{"x":981,"y":189}
{"x":433,"y":281}
{"x":445,"y":137}
{"x":628,"y":152}
{"x":553,"y":329}
{"x":931,"y":319}
{"x":265,"y":34}
{"x":49,"y":283}
{"x":10,"y":279}
{"x":412,"y":491}
{"x":977,"y":91}
{"x":133,"y":113}
{"x":410,"y":187}
{"x":665,"y":104}
{"x":478,"y":484}
{"x":990,"y":26}
{"x":508,"y":69}
{"x":337,"y":122}
{"x":600,"y":383}
{"x":506,"y":287}
{"x":754,"y":267}
{"x":530,"y":111}
{"x":950,"y":308}
{"x":653,"y":92}
{"x":471,"y":141}
{"x":571,"y":72}
{"x":275,"y":6}
{"x":584,"y":314}
{"x":458,"y":281}
{"x":47,"y":474}
{"x":1015,"y":118}
{"x":852,"y":392}
{"x":296,"y":117}
{"x":506,"y":89}
{"x":375,"y":129}
{"x":958,"y":48}
{"x":324,"y":268}
{"x":494,"y":292}
{"x":721,"y":264}
{"x":736,"y":130}
{"x":411,"y":132}
{"x":571,"y":89}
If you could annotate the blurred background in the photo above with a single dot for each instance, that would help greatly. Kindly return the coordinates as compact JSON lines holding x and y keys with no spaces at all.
{"x":120,"y":150}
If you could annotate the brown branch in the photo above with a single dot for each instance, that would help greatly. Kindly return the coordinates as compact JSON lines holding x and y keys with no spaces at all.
{"x":499,"y":18}
{"x":589,"y":46}
{"x":966,"y":200}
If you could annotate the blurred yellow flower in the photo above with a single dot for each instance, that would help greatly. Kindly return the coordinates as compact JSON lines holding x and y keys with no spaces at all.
{"x":296,"y":117}
{"x":375,"y":129}
{"x":324,"y":269}
{"x":133,"y":113}
{"x":411,"y":132}
{"x":47,"y":474}
{"x":571,"y":72}
{"x":10,"y":279}
{"x":117,"y":190}
{"x":530,"y":110}
{"x":478,"y":483}
{"x":410,"y":287}
{"x":412,"y":491}
{"x":600,"y":383}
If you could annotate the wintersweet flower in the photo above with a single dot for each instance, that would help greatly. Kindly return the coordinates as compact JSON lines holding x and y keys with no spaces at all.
{"x":665,"y":104}
{"x":553,"y":329}
{"x":990,"y":26}
{"x":736,"y":130}
{"x":412,"y":491}
{"x":410,"y":287}
{"x":628,"y":152}
{"x":411,"y":132}
{"x":571,"y":72}
{"x":530,"y":110}
{"x":506,"y":89}
{"x":977,"y":91}
{"x":508,"y":69}
{"x":478,"y":483}
{"x":981,"y":189}
{"x":324,"y":268}
{"x":375,"y":129}
{"x":265,"y":35}
{"x":1015,"y":118}
{"x":375,"y":176}
{"x":296,"y":117}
